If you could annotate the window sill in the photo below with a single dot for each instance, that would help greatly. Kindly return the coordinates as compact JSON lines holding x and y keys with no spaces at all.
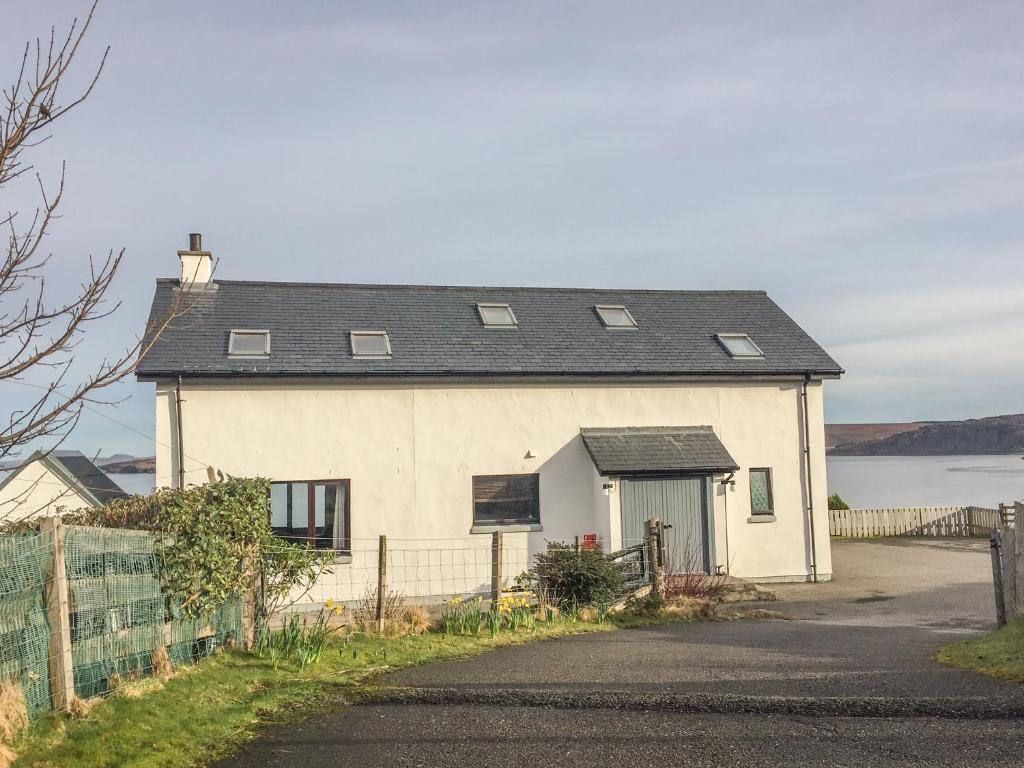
{"x":521,"y":528}
{"x":761,"y":519}
{"x":335,"y":558}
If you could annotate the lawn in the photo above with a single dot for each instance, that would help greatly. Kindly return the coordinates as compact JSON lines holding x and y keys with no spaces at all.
{"x":209,"y":710}
{"x":999,"y":653}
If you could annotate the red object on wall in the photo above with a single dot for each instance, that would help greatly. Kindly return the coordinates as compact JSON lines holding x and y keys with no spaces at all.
{"x":590,"y":541}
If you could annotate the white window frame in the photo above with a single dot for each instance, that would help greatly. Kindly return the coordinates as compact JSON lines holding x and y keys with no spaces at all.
{"x":251,"y":331}
{"x":481,"y":305}
{"x":722,"y":337}
{"x":369,"y":356}
{"x":604,"y":321}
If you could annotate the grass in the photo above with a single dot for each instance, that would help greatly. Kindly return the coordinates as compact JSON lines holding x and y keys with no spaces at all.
{"x":209,"y":710}
{"x":998,"y":654}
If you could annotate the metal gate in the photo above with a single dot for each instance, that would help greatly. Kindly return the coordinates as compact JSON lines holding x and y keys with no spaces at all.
{"x":682,"y":505}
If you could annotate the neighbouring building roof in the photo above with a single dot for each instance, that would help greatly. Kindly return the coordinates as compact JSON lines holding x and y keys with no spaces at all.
{"x":80,"y":474}
{"x":439,"y":331}
{"x":657,"y":450}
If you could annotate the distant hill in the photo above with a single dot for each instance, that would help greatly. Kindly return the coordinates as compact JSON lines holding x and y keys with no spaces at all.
{"x":990,"y":435}
{"x":131,"y":466}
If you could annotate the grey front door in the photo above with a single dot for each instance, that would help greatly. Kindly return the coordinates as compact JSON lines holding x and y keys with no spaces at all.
{"x":680,"y":502}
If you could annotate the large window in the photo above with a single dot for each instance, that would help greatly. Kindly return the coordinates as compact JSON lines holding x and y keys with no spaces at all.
{"x":313,"y":511}
{"x":761,"y":502}
{"x":506,"y":499}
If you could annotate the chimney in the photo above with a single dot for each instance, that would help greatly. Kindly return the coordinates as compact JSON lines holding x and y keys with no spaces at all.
{"x":196,"y":264}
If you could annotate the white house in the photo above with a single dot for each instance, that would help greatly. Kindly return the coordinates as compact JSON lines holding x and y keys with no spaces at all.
{"x":442,"y":414}
{"x":47,"y":482}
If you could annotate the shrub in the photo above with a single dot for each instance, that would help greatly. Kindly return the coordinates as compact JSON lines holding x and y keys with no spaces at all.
{"x":577,"y":577}
{"x":687,"y":580}
{"x":835,"y":501}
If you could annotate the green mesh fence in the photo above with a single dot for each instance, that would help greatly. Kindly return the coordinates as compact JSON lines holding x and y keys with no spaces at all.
{"x":24,"y":630}
{"x":120,"y":612}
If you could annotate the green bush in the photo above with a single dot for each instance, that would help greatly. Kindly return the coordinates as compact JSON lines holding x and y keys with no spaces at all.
{"x":835,"y":501}
{"x":568,"y":576}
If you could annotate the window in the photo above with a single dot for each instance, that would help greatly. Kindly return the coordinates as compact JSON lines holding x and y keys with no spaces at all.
{"x":615,"y":316}
{"x":245,"y":343}
{"x":313,"y":511}
{"x":761,"y":492}
{"x":506,"y":499}
{"x":370,"y":344}
{"x":497,"y":316}
{"x":739,"y":345}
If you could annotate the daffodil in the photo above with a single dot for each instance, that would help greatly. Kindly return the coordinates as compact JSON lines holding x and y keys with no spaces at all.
{"x":330,"y":604}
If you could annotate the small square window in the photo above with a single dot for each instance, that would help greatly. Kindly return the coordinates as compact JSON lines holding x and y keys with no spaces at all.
{"x":739,"y":345}
{"x":248,"y":343}
{"x":370,"y":344}
{"x":506,"y":499}
{"x":761,"y":502}
{"x":497,"y":316}
{"x":615,"y":316}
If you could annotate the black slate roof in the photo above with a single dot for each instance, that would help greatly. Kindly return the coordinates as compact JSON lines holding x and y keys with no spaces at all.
{"x":89,"y":476}
{"x":657,"y":450}
{"x":436,"y":331}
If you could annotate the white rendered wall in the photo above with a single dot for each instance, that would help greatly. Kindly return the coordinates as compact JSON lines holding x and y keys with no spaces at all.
{"x":410,"y":453}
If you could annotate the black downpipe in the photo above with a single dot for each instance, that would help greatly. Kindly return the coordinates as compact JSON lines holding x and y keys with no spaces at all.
{"x":181,"y":437}
{"x":810,"y":485}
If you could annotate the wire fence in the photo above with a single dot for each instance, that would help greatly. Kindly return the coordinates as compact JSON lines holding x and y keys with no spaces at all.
{"x":82,"y":608}
{"x":425,"y":572}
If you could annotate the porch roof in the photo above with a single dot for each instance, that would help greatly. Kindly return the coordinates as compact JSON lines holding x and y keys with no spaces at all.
{"x":657,"y":450}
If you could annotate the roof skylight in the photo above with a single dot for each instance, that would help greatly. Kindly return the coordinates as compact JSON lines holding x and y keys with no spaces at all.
{"x":739,"y":345}
{"x":249,"y":343}
{"x":615,"y":316}
{"x":497,"y":316}
{"x":372,"y":344}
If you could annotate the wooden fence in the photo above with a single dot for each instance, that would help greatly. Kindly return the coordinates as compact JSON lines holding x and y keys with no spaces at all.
{"x":912,"y":521}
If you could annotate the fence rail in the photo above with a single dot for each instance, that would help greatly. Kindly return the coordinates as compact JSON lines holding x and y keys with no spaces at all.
{"x":913,"y":521}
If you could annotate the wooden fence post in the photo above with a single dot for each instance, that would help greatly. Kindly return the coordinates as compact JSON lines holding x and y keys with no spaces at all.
{"x":1018,"y":559}
{"x":652,"y":533}
{"x":58,"y":608}
{"x":248,"y":639}
{"x":995,"y":545}
{"x":496,"y":566}
{"x":382,"y":580}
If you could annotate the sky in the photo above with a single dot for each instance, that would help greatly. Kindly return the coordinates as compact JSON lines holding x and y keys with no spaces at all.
{"x":862,"y":162}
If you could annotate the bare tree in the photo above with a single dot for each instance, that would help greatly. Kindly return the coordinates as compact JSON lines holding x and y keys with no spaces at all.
{"x":37,"y":334}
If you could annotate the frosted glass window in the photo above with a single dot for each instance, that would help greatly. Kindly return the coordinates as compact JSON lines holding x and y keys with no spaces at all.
{"x":761,"y":492}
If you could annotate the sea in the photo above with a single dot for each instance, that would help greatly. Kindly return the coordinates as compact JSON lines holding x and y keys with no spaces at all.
{"x":926,"y":481}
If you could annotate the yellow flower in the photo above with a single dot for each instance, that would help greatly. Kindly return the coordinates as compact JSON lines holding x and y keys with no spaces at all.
{"x":330,"y":604}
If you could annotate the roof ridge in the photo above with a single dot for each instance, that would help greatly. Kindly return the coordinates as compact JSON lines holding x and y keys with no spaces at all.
{"x":425,"y":286}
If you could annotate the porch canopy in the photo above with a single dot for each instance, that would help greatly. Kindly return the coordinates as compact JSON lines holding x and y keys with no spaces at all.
{"x":657,"y":450}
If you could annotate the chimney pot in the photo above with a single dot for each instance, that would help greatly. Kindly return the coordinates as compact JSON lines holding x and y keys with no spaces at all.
{"x":195,"y":241}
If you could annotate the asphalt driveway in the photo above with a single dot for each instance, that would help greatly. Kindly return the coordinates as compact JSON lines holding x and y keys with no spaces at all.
{"x":847,"y":681}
